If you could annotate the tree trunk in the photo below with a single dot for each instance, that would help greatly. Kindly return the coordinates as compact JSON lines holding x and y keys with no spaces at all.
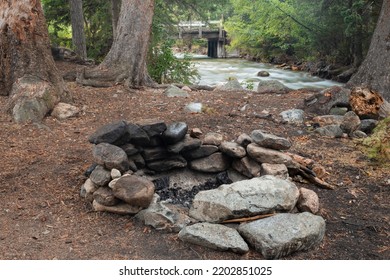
{"x":126,"y":60}
{"x":27,"y":70}
{"x":78,"y":34}
{"x":115,"y":11}
{"x":375,"y":69}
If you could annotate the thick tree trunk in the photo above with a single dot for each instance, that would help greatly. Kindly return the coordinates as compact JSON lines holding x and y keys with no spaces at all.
{"x":115,"y":12}
{"x":126,"y":60}
{"x":78,"y":34}
{"x":375,"y":69}
{"x":27,"y":70}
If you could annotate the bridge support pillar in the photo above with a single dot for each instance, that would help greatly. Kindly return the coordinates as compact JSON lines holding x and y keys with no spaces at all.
{"x":216,"y":48}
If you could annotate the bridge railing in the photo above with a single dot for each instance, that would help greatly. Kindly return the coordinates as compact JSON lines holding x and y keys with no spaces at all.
{"x":200,"y":26}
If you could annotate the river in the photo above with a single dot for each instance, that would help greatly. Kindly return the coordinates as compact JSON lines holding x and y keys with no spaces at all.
{"x":217,"y":71}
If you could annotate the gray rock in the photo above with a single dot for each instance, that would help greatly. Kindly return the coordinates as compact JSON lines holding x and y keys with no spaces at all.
{"x":213,"y":138}
{"x":115,"y":173}
{"x":129,"y":149}
{"x":187,"y":144}
{"x":216,"y":162}
{"x":196,"y":132}
{"x":270,"y":141}
{"x":350,"y":123}
{"x":194,"y":107}
{"x":244,"y":140}
{"x":137,"y":135}
{"x":87,"y":190}
{"x":264,"y":155}
{"x":121,"y":208}
{"x":134,"y":190}
{"x":231,"y":85}
{"x":138,"y":160}
{"x":214,"y":236}
{"x":284,"y":234}
{"x":110,"y":157}
{"x":333,"y":131}
{"x":163,"y":217}
{"x":271,"y":86}
{"x":64,"y":111}
{"x":174,"y":91}
{"x":100,"y":176}
{"x":328,"y":120}
{"x":338,"y":111}
{"x":368,"y":125}
{"x":232,"y":149}
{"x":256,"y":196}
{"x":322,"y":102}
{"x":263,"y":74}
{"x":175,"y":132}
{"x":155,"y":153}
{"x":172,"y":162}
{"x":247,"y":167}
{"x":358,"y":134}
{"x":105,"y":196}
{"x":152,"y":127}
{"x":113,"y":133}
{"x":293,"y":116}
{"x":308,"y":201}
{"x":202,"y":151}
{"x":277,"y":170}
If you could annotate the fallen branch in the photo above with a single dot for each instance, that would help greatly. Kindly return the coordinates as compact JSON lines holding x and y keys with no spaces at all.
{"x":312,"y":178}
{"x":248,"y":219}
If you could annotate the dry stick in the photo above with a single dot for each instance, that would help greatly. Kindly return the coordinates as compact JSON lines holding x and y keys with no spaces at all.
{"x":248,"y":219}
{"x":314,"y":179}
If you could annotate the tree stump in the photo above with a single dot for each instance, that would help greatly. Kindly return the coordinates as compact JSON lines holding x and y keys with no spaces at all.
{"x":367,"y":103}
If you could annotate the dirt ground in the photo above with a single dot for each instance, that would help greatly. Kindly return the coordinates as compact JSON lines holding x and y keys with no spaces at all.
{"x":42,"y":166}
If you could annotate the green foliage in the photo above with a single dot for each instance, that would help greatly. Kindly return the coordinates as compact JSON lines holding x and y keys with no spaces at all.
{"x":164,"y":67}
{"x":377,"y":146}
{"x":334,"y":31}
{"x":98,"y":28}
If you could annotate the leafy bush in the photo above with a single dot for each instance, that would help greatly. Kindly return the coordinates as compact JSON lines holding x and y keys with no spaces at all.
{"x":164,"y":67}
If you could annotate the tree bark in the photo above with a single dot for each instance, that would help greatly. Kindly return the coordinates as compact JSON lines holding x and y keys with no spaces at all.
{"x":78,"y":34}
{"x":126,"y":60}
{"x":28,"y":74}
{"x":115,"y":12}
{"x":375,"y":69}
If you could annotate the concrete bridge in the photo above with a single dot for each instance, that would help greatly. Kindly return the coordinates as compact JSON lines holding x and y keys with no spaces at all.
{"x":211,"y":30}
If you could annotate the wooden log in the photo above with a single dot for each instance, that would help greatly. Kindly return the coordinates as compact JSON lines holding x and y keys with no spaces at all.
{"x":367,"y":103}
{"x":248,"y":219}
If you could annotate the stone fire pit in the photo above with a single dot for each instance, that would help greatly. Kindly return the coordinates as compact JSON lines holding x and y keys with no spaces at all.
{"x":202,"y":186}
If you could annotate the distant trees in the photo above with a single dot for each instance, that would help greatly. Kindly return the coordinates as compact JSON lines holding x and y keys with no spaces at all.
{"x":336,"y":31}
{"x":78,"y":34}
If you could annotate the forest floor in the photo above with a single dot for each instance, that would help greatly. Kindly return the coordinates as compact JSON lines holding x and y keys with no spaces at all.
{"x":42,"y":167}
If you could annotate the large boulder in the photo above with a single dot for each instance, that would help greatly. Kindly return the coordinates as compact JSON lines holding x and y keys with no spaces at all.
{"x":284,"y":234}
{"x":256,"y":196}
{"x":134,"y":190}
{"x":214,"y":236}
{"x":271,"y":86}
